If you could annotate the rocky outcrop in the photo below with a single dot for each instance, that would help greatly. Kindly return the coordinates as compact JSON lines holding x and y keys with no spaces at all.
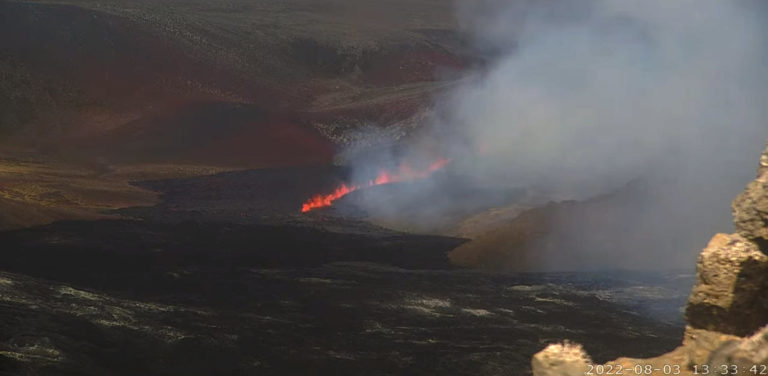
{"x":728,"y":302}
{"x":729,"y":295}
{"x":743,"y":354}
{"x":750,"y":208}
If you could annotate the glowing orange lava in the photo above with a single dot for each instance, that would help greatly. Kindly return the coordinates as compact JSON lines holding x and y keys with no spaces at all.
{"x":403,"y":173}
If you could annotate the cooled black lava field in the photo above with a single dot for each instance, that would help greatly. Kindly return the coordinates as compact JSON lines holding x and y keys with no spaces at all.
{"x":323,"y":295}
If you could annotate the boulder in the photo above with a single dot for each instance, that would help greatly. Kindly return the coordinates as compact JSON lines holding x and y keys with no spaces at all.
{"x":730,"y":292}
{"x":561,"y":359}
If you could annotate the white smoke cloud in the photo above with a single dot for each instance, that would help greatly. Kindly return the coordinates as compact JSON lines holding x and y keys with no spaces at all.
{"x":613,"y":92}
{"x":581,"y":97}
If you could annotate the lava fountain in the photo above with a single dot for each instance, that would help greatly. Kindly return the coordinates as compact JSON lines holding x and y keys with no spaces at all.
{"x":404,"y":173}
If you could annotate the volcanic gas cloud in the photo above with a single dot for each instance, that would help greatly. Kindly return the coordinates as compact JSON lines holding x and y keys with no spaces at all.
{"x":404,"y":173}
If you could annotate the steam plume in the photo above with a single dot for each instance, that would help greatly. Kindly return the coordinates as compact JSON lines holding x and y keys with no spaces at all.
{"x":578,"y":98}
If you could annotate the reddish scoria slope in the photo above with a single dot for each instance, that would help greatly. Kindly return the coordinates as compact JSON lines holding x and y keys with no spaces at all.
{"x":100,"y":79}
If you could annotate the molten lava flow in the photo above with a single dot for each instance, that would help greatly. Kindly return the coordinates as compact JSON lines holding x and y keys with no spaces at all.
{"x":319,"y":201}
{"x":404,"y":172}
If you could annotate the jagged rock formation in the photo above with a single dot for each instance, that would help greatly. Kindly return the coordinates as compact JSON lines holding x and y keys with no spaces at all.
{"x":727,"y":304}
{"x":729,"y":295}
{"x":750,"y":208}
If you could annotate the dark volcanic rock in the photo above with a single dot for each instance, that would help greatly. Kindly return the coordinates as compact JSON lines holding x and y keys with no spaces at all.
{"x":104,"y":252}
{"x":338,"y":319}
